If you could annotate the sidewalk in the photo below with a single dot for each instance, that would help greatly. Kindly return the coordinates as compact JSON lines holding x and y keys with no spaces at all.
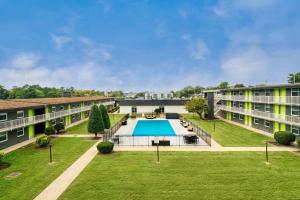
{"x":19,"y":145}
{"x":61,"y":183}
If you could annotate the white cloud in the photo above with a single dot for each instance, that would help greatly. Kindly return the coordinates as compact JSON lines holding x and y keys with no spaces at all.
{"x":25,"y":60}
{"x":60,"y":40}
{"x":94,"y":50}
{"x":198,"y":50}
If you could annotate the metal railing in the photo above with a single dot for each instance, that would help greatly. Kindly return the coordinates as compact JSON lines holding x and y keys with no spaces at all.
{"x":199,"y":131}
{"x":176,"y":140}
{"x":286,"y":100}
{"x":107,"y":136}
{"x":293,"y":120}
{"x":26,"y":121}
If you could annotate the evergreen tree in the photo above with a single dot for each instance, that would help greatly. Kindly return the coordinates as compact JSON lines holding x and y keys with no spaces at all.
{"x":95,"y":124}
{"x":105,"y":116}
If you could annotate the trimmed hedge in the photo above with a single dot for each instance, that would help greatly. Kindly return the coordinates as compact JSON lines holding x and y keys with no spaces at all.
{"x":59,"y":127}
{"x":49,"y":130}
{"x":284,"y":137}
{"x":298,"y":142}
{"x":1,"y":156}
{"x":43,"y":140}
{"x":105,"y":147}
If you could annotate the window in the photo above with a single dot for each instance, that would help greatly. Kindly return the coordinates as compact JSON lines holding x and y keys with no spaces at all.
{"x":234,"y":115}
{"x":73,"y":117}
{"x":256,"y":106}
{"x":234,"y":104}
{"x":256,"y":121}
{"x":295,"y":91}
{"x":3,"y":137}
{"x":53,"y":108}
{"x":267,"y":123}
{"x":241,"y":117}
{"x":20,"y":114}
{"x":53,"y":122}
{"x":241,"y":105}
{"x":61,"y":120}
{"x":295,"y":111}
{"x":295,"y":130}
{"x":241,"y":93}
{"x":20,"y":132}
{"x":134,"y":109}
{"x":256,"y":93}
{"x":62,"y":107}
{"x":3,"y":117}
{"x":162,"y":109}
{"x":268,"y":92}
{"x":268,"y":108}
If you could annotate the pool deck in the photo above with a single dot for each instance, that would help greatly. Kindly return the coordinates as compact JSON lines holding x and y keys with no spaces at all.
{"x":126,"y":138}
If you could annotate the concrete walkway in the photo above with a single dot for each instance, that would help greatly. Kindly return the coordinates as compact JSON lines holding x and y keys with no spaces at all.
{"x":205,"y":149}
{"x":60,"y":184}
{"x":76,"y":135}
{"x":17,"y":146}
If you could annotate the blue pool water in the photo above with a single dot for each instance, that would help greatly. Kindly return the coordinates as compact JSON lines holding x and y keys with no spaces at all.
{"x":153,"y":128}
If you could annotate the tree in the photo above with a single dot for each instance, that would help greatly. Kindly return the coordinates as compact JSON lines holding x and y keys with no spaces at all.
{"x":223,"y":85}
{"x":95,"y":124}
{"x":294,"y":78}
{"x":105,"y":116}
{"x":3,"y":93}
{"x":197,"y":105}
{"x":239,"y":85}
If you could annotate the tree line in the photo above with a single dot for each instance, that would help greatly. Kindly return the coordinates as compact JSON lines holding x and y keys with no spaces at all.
{"x":37,"y":91}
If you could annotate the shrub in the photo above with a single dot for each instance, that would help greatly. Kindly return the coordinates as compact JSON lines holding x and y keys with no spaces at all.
{"x":133,"y":116}
{"x":105,"y":147}
{"x":284,"y":137}
{"x":49,"y":130}
{"x":1,"y":156}
{"x":298,"y":142}
{"x":43,"y":140}
{"x":59,"y":127}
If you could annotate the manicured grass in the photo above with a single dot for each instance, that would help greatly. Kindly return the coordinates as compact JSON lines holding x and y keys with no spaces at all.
{"x":82,"y":128}
{"x":188,"y":175}
{"x":228,"y":134}
{"x":37,"y":173}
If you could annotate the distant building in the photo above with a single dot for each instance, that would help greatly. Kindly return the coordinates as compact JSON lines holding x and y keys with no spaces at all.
{"x":160,"y":95}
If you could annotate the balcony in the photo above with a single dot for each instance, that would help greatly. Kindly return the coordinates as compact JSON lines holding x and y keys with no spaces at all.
{"x":285,"y":100}
{"x":293,"y":120}
{"x":23,"y":122}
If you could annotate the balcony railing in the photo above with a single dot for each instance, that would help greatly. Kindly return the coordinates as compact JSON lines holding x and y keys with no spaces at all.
{"x":23,"y":122}
{"x":287,"y":100}
{"x":293,"y":120}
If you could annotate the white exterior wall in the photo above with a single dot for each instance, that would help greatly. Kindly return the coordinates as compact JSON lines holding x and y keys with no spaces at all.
{"x":149,"y":109}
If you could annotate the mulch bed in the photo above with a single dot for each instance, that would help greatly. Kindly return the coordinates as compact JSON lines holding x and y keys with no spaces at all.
{"x":4,"y":165}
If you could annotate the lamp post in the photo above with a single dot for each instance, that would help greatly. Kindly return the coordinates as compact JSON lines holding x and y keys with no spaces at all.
{"x":214,"y":125}
{"x":267,"y":154}
{"x":157,"y":148}
{"x":50,"y":149}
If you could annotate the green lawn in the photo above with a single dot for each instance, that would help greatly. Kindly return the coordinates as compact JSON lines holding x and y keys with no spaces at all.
{"x":188,"y":175}
{"x":228,"y":134}
{"x":37,"y":174}
{"x":82,"y":128}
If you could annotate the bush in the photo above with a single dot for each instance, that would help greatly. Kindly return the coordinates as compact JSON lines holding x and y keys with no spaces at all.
{"x":49,"y":130}
{"x":1,"y":156}
{"x":298,"y":142}
{"x":59,"y":127}
{"x":105,"y":147}
{"x":43,"y":140}
{"x":284,"y":137}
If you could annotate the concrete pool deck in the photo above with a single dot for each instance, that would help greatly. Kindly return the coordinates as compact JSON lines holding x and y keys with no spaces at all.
{"x":126,"y":138}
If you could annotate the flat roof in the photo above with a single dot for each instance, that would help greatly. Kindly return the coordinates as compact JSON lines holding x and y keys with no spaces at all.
{"x":153,"y":102}
{"x":11,"y":105}
{"x":40,"y":102}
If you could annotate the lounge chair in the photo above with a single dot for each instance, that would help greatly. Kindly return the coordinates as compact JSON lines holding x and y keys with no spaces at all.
{"x":190,"y":128}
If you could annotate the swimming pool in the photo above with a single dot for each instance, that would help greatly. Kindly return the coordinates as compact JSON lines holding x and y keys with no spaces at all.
{"x":153,"y":128}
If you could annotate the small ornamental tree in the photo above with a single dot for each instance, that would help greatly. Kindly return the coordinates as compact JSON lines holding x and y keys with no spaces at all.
{"x":105,"y":116}
{"x":197,"y":105}
{"x":95,"y":124}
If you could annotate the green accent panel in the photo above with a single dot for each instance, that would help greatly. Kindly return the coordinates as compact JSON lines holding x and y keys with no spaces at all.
{"x":276,"y":95}
{"x":228,"y":115}
{"x":276,"y":110}
{"x":282,"y":111}
{"x":282,"y":95}
{"x":246,"y":120}
{"x":276,"y":127}
{"x":31,"y":127}
{"x":249,"y":106}
{"x":47,"y":123}
{"x":250,"y":121}
{"x":246,"y":95}
{"x":282,"y":127}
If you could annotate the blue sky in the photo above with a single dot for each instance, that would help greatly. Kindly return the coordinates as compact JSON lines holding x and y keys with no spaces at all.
{"x":147,"y":44}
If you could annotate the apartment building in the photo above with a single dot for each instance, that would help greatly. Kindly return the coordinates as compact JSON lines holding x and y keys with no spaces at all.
{"x":270,"y":108}
{"x":22,"y":119}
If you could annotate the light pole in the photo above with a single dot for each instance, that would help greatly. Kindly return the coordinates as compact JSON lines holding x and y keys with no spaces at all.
{"x":50,"y":149}
{"x":267,"y":154}
{"x":157,"y":148}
